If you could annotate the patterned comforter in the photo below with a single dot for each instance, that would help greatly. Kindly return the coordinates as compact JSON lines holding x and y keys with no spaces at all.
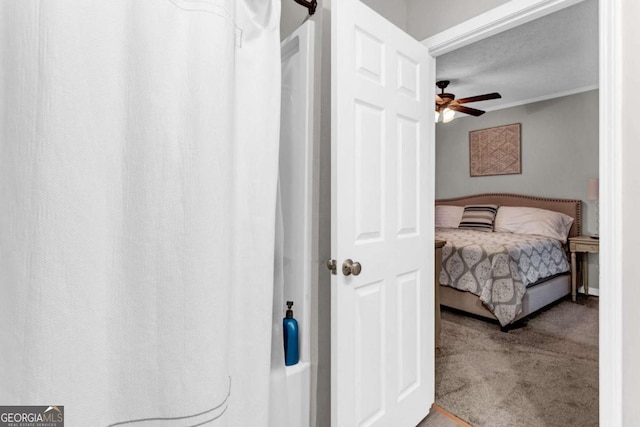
{"x":498,"y":266}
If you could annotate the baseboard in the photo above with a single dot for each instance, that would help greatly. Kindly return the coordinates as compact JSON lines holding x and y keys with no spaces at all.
{"x":592,"y":291}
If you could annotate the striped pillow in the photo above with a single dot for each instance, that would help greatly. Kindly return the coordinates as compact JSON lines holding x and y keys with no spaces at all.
{"x":478,"y":217}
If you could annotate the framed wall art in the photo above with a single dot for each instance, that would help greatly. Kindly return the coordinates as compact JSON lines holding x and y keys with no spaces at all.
{"x":495,"y":151}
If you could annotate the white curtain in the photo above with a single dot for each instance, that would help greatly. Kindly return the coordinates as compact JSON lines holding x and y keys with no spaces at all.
{"x":138,"y":168}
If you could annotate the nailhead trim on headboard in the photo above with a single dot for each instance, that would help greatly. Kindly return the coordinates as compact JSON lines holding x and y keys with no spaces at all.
{"x":567,"y":206}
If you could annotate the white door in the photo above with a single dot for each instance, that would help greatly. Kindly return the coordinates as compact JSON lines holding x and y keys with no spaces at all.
{"x":382,"y":358}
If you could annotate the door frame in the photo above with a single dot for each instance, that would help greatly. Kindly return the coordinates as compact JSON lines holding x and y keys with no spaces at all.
{"x":512,"y":14}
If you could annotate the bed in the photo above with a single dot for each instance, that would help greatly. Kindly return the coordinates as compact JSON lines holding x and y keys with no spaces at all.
{"x":530,"y":291}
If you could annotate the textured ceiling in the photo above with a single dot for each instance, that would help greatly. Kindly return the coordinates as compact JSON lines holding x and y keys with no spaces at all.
{"x":552,"y":56}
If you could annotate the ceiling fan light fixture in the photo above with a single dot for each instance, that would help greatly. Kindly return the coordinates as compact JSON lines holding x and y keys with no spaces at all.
{"x":447,"y":104}
{"x":447,"y":115}
{"x":437,"y":115}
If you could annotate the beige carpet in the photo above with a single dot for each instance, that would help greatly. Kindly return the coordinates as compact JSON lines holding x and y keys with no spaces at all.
{"x":542,"y":374}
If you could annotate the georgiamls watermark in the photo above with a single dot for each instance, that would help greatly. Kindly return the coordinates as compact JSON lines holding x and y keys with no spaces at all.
{"x":32,"y":416}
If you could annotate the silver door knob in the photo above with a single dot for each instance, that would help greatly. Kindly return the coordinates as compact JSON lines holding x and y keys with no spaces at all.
{"x":349,"y":267}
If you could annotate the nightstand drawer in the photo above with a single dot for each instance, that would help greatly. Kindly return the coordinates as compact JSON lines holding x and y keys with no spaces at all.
{"x":584,"y":247}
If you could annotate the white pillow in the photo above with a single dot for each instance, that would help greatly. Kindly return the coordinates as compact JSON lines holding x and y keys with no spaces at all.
{"x":542,"y":222}
{"x":448,"y":216}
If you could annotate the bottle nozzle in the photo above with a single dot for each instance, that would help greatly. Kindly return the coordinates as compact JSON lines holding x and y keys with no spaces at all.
{"x":289,"y":314}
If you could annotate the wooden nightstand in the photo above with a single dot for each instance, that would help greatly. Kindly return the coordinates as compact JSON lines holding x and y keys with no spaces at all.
{"x":585,"y":245}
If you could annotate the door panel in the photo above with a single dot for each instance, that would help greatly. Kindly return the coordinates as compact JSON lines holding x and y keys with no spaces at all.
{"x":370,"y":351}
{"x":382,"y":217}
{"x":369,"y":56}
{"x":369,"y":173}
{"x":408,"y":189}
{"x":408,"y":77}
{"x":408,"y":334}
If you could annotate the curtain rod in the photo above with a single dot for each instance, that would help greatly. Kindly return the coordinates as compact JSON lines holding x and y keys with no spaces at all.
{"x":311,"y":5}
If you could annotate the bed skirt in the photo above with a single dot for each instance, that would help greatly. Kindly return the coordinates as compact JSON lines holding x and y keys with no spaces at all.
{"x":537,"y":296}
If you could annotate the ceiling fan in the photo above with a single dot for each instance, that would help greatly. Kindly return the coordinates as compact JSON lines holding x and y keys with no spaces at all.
{"x":447,"y":104}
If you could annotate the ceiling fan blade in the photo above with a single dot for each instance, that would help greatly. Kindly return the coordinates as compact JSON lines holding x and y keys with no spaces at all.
{"x":467,"y":110}
{"x":485,"y":97}
{"x":439,"y":100}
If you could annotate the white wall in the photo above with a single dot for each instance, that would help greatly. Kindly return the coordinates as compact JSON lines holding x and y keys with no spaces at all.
{"x":630,"y":174}
{"x":559,"y":145}
{"x":428,"y":17}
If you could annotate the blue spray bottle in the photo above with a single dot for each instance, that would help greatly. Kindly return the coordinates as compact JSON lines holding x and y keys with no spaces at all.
{"x":290,"y":332}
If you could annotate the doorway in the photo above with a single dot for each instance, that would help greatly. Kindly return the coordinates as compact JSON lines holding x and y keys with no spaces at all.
{"x":509,"y":16}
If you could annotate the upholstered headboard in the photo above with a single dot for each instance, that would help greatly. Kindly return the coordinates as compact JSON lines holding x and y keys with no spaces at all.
{"x":573,"y":208}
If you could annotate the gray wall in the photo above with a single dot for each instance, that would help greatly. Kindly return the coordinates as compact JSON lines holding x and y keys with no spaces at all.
{"x":559,"y":145}
{"x":293,"y":15}
{"x":393,"y":10}
{"x":323,"y":186}
{"x":428,"y":17}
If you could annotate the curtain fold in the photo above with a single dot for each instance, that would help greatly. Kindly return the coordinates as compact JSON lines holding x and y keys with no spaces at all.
{"x":138,"y":168}
{"x":257,"y":118}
